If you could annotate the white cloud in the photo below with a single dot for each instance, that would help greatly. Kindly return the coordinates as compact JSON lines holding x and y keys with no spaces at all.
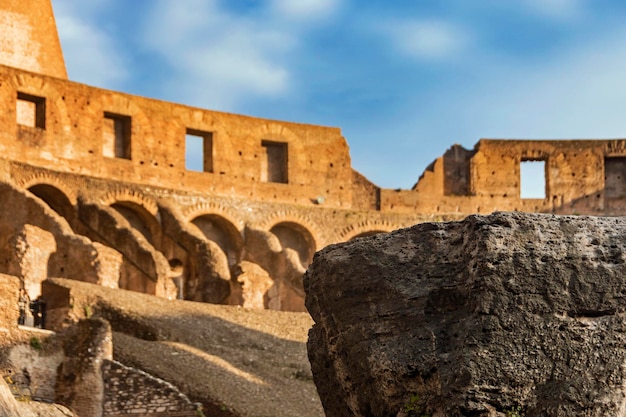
{"x":219,"y":58}
{"x":91,"y":55}
{"x":427,"y":39}
{"x":306,"y":9}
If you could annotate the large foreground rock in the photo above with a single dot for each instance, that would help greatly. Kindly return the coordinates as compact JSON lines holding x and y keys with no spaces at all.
{"x":508,"y":314}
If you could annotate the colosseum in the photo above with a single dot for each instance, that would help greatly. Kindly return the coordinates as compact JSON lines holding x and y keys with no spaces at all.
{"x":95,"y":185}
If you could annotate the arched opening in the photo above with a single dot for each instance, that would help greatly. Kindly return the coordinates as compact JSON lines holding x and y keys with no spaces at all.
{"x":296,"y":237}
{"x":222,"y":232}
{"x":56,"y":200}
{"x":139,"y":218}
{"x":177,"y":272}
{"x":368,"y":233}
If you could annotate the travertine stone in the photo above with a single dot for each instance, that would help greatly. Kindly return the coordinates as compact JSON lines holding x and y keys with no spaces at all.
{"x":29,"y":37}
{"x":33,"y":247}
{"x":473,"y":318}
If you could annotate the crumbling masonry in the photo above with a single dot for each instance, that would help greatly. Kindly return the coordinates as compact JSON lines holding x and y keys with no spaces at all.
{"x":95,"y":186}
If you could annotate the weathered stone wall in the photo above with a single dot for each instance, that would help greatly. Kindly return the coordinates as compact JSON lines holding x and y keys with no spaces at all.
{"x":581,"y":177}
{"x":9,"y":312}
{"x":318,"y":157}
{"x":29,"y":37}
{"x":80,"y":383}
{"x":131,"y":392}
{"x":33,"y":247}
{"x":33,"y":370}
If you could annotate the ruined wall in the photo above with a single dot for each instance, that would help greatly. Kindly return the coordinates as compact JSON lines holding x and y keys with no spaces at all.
{"x":131,"y":392}
{"x":164,"y":237}
{"x":80,"y":383}
{"x":153,"y":135}
{"x":580,"y":177}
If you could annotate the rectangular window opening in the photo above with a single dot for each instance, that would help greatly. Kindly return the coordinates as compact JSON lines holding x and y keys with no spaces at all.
{"x":116,"y":136}
{"x":275,"y":162}
{"x":198,"y":151}
{"x":615,"y":177}
{"x":31,"y":111}
{"x":533,"y":183}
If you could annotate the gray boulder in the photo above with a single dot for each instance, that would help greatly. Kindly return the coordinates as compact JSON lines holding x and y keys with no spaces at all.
{"x":509,"y":314}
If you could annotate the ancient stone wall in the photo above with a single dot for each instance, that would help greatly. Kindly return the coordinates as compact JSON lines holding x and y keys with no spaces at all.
{"x":131,"y":392}
{"x":316,"y":158}
{"x":80,"y":383}
{"x":29,"y":37}
{"x":9,"y":313}
{"x":580,"y":177}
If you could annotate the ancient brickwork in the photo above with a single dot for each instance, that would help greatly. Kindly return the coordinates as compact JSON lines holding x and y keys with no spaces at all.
{"x":580,"y":177}
{"x":130,"y":392}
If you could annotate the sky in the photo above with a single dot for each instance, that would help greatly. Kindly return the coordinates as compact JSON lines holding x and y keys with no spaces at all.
{"x":403,"y":79}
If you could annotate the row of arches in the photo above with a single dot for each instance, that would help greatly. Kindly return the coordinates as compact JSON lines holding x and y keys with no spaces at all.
{"x":145,"y":219}
{"x":213,"y":226}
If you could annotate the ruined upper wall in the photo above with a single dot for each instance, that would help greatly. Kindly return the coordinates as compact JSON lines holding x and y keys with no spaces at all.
{"x":29,"y":38}
{"x":75,"y":128}
{"x":579,"y":177}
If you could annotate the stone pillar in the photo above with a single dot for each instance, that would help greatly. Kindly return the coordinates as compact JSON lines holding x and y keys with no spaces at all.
{"x":33,"y":247}
{"x":80,"y":384}
{"x":108,"y":264}
{"x":9,"y":313}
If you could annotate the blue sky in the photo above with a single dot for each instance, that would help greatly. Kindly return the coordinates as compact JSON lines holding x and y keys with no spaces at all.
{"x":403,"y":79}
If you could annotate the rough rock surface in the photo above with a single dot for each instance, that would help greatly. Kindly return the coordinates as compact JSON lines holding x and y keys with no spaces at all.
{"x":508,"y":314}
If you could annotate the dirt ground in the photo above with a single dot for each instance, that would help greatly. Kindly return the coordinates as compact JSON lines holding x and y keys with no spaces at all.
{"x":237,"y":362}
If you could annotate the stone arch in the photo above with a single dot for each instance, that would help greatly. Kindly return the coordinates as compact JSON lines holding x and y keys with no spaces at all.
{"x":56,"y":199}
{"x":177,"y":274}
{"x":294,"y":236}
{"x":221,"y":231}
{"x":132,"y":196}
{"x":139,"y":218}
{"x":69,"y":192}
{"x":288,"y":216}
{"x":212,"y":208}
{"x":366,"y":228}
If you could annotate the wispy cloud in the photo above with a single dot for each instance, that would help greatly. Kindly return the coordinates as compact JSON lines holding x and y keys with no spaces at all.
{"x":431,"y":40}
{"x":91,"y":55}
{"x":218,"y":58}
{"x":306,"y":9}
